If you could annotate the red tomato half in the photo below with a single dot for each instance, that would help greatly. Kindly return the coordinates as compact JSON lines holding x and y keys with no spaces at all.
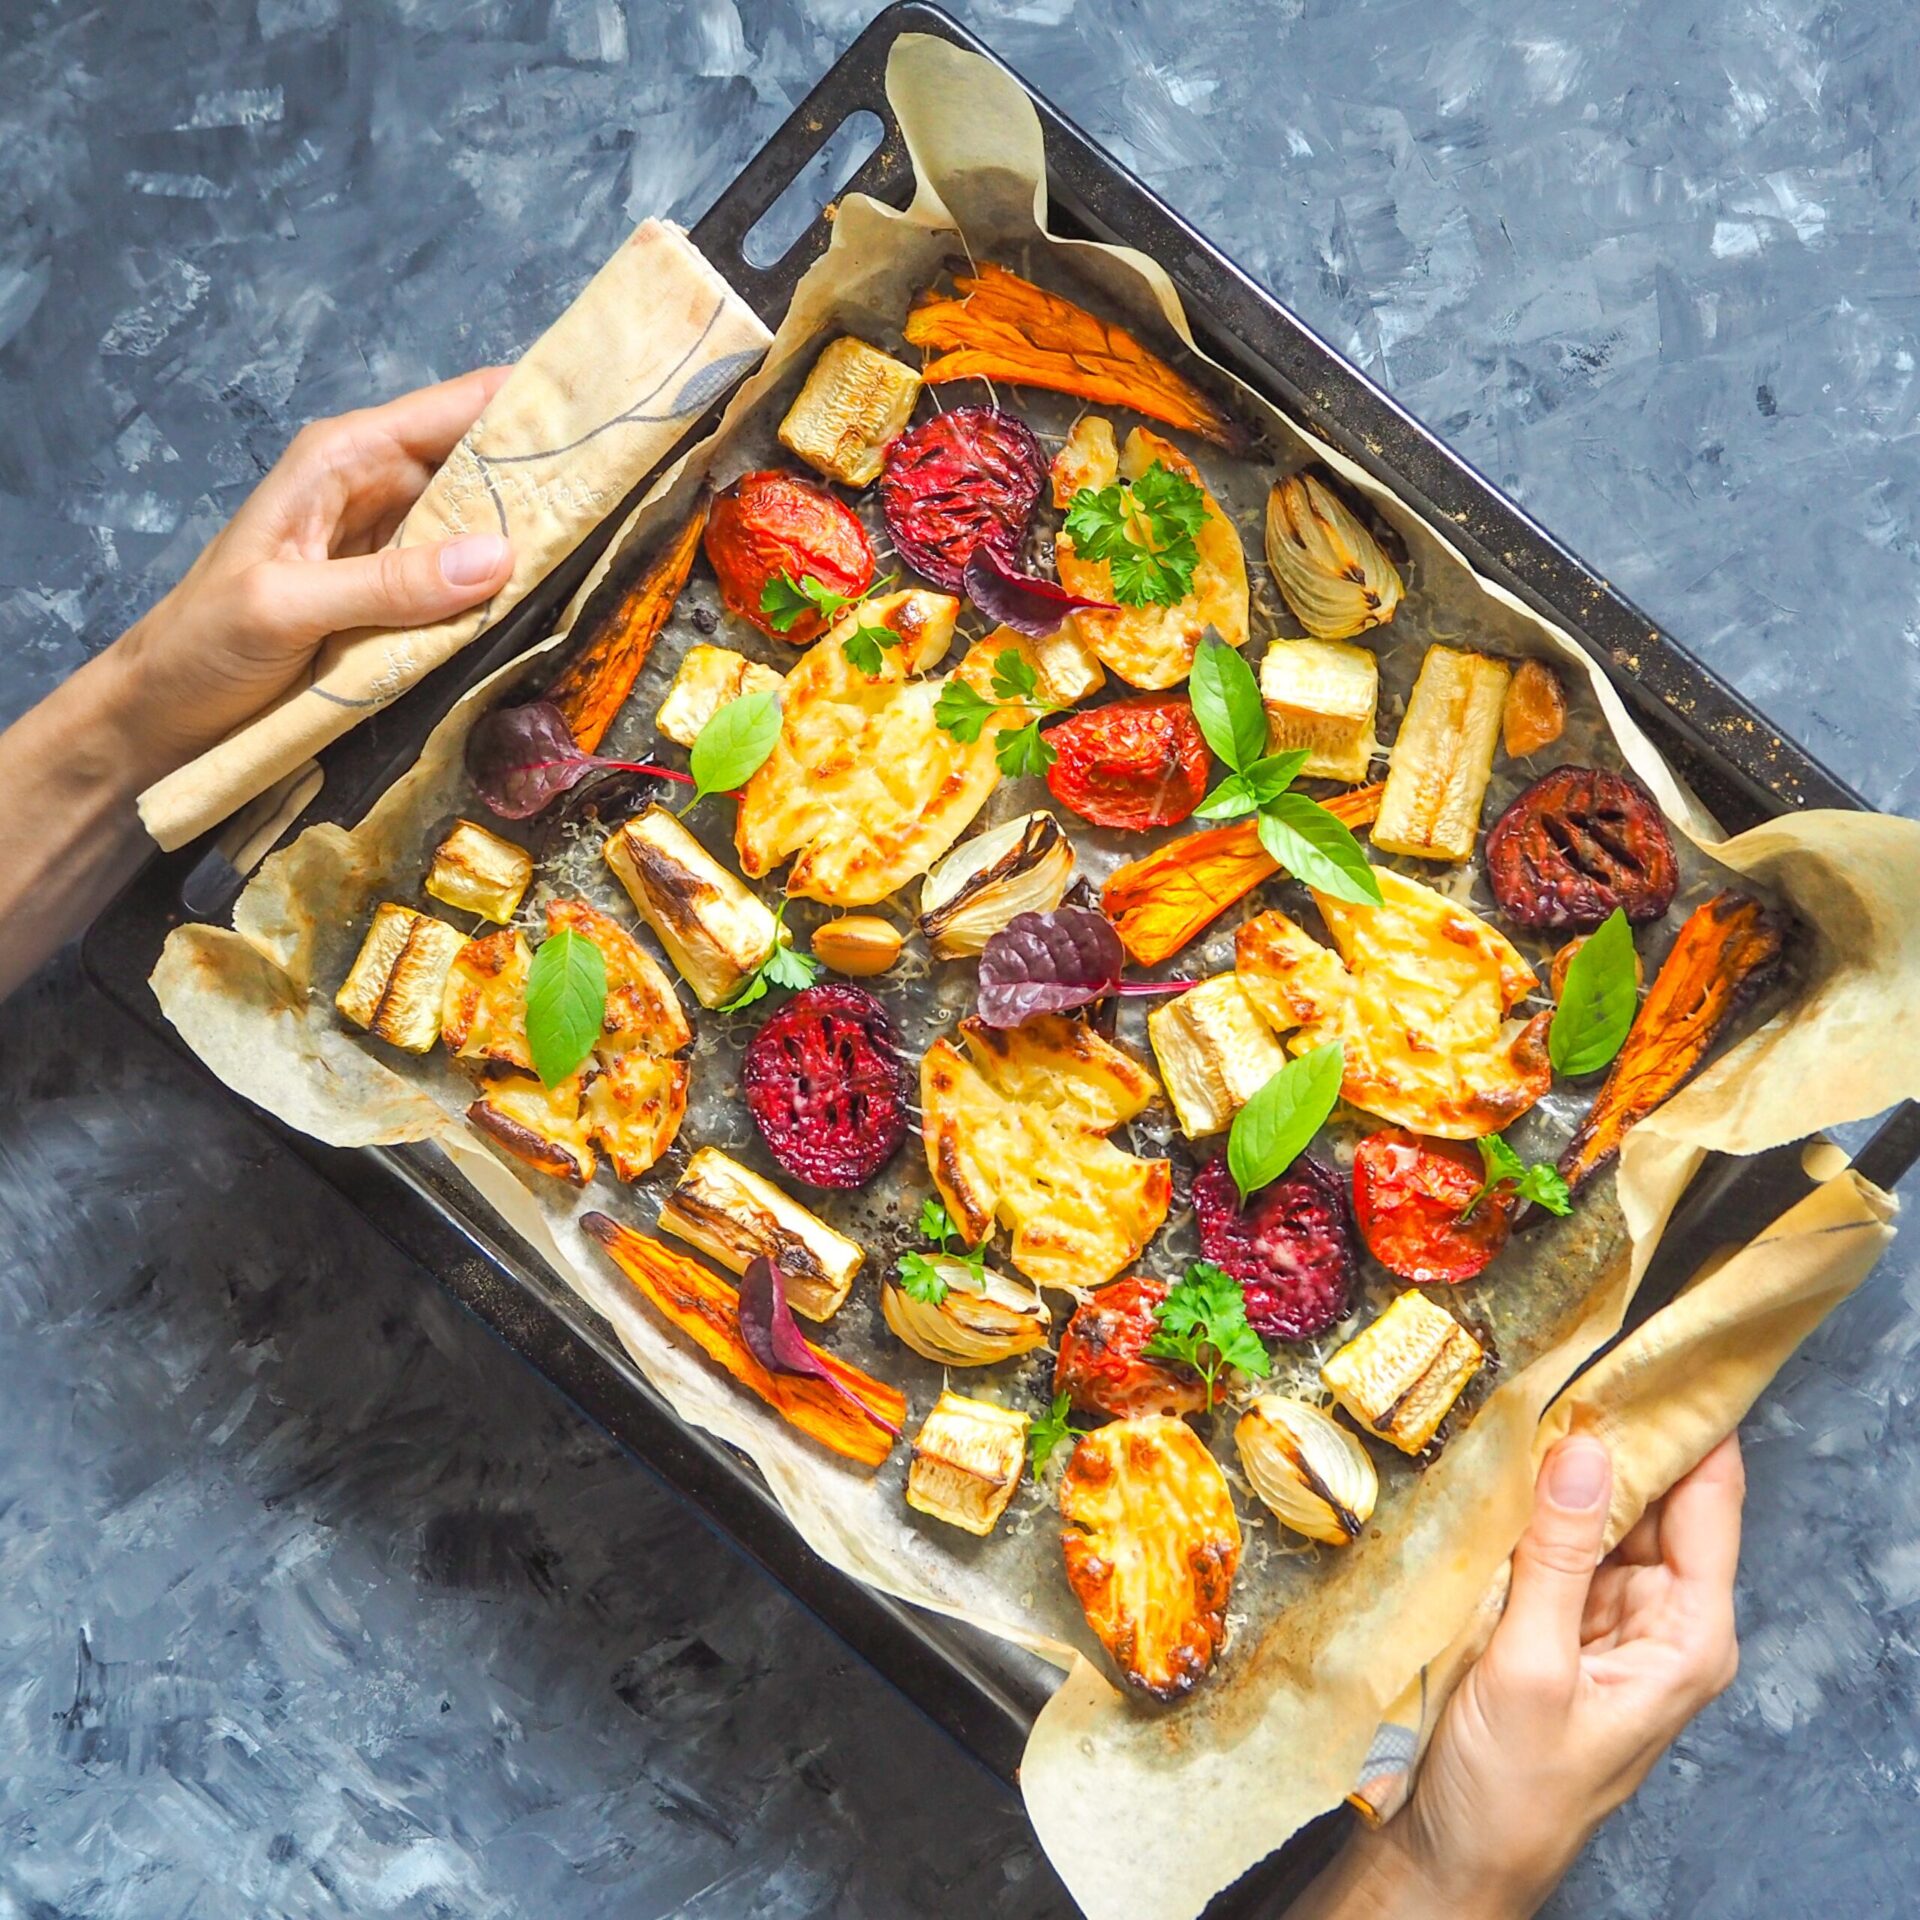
{"x":1408,"y":1194}
{"x":769,"y":524}
{"x":1134,"y":764}
{"x":1103,"y":1364}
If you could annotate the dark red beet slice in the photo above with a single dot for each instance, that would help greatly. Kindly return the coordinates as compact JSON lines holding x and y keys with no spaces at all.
{"x":966,"y":479}
{"x":826,"y":1086}
{"x":1576,"y":844}
{"x":1290,"y":1247}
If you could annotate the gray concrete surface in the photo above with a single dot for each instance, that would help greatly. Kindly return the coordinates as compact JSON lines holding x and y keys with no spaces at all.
{"x":312,"y":1600}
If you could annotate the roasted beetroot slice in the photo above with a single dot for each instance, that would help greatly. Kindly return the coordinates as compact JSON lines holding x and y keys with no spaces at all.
{"x":1576,"y":844}
{"x":1291,"y":1247}
{"x":826,"y":1087}
{"x":967,"y":479}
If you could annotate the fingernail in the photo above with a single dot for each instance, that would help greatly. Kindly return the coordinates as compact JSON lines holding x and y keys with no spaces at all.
{"x":465,"y":563}
{"x":1578,"y":1476}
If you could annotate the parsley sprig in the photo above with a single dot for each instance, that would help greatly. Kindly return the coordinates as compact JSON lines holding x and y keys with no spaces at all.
{"x":1145,"y":532}
{"x":1541,"y":1182}
{"x":1203,"y":1322}
{"x":1048,"y":1432}
{"x":1313,"y":844}
{"x":920,"y":1275}
{"x":785,"y":601}
{"x":781,"y":967}
{"x":963,"y":711}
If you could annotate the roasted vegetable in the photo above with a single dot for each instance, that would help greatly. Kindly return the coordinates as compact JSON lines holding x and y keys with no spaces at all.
{"x":1576,"y":844}
{"x":478,"y":872}
{"x":1409,"y":1196}
{"x":1015,"y":1126}
{"x":1308,"y":1468}
{"x":968,"y":478}
{"x":1103,"y":1365}
{"x":1418,"y":993}
{"x":1328,"y":567}
{"x":597,"y":680}
{"x":1535,"y":713}
{"x":702,"y":1307}
{"x":399,"y":976}
{"x":642,"y":1011}
{"x":1321,"y":695}
{"x":1723,"y":956}
{"x":709,"y":677}
{"x":768,"y":527}
{"x":1214,"y":1052}
{"x":857,"y":944}
{"x":1443,"y":756}
{"x":632,"y":1105}
{"x":713,"y":929}
{"x":983,"y":1317}
{"x":854,"y":404}
{"x":1153,"y":645}
{"x":1152,"y":1544}
{"x":483,"y":1008}
{"x":538,"y":1124}
{"x":1400,"y":1377}
{"x":1161,"y":901}
{"x":825,"y":1084}
{"x":1133,"y":765}
{"x":730,"y":1213}
{"x":967,"y":1461}
{"x":1022,"y":866}
{"x":1000,"y":327}
{"x":1290,"y":1246}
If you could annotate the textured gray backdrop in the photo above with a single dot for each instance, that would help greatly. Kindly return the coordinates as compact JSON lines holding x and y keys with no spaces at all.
{"x":311,"y":1599}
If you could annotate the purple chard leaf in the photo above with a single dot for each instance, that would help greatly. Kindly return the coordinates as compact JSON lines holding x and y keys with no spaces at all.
{"x":1052,"y":963}
{"x":522,"y":759}
{"x":1022,"y":601}
{"x":773,"y":1337}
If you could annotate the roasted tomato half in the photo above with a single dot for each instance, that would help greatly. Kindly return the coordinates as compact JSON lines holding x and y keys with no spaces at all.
{"x":968,"y":478}
{"x":769,"y":524}
{"x":826,"y":1086}
{"x":1103,"y":1365}
{"x":1408,"y":1195}
{"x":1134,"y":764}
{"x":1290,"y":1246}
{"x":1576,"y":844}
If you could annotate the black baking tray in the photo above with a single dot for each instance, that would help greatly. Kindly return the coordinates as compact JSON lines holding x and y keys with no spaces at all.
{"x":980,"y":1690}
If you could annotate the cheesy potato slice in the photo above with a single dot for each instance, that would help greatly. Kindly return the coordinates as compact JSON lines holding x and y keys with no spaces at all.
{"x":483,"y":1007}
{"x":1419,"y":990}
{"x":1015,"y":1125}
{"x":862,"y":788}
{"x":1152,"y":1544}
{"x":1148,"y":646}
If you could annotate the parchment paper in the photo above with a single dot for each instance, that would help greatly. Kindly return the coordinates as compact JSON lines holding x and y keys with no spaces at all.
{"x":1145,"y":1813}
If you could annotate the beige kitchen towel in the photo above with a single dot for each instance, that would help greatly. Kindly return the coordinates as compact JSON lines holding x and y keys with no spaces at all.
{"x":596,"y":402}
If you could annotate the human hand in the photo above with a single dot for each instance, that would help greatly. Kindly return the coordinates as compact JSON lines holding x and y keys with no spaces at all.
{"x":305,"y":557}
{"x":1589,"y":1676}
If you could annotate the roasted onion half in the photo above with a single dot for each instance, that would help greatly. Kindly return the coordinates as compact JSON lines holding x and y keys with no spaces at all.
{"x":984,"y":1318}
{"x":1329,"y":568}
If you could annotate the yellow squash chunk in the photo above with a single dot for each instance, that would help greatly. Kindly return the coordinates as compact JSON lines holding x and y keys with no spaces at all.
{"x":856,"y":402}
{"x":1151,"y":646}
{"x":478,"y":872}
{"x":1442,"y":758}
{"x":1321,"y":695}
{"x":1400,"y":1377}
{"x":483,"y":1009}
{"x":1015,"y":1126}
{"x":730,"y":1212}
{"x":399,"y":976}
{"x":708,"y":678}
{"x":1152,"y":1544}
{"x":538,"y":1124}
{"x":863,"y":790}
{"x":967,"y":1461}
{"x":714,"y":930}
{"x":1418,"y":991}
{"x":1214,"y":1052}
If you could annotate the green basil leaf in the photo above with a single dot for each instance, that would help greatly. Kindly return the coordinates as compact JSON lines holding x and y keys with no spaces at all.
{"x":1226,"y":703}
{"x":1598,"y":1001}
{"x":1233,"y":797}
{"x":733,"y":746}
{"x":566,"y":1004}
{"x":1275,"y":1127}
{"x":1315,"y":846}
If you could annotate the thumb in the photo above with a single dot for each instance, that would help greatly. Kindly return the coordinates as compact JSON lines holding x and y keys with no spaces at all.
{"x":393,"y":587}
{"x":1554,"y":1563}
